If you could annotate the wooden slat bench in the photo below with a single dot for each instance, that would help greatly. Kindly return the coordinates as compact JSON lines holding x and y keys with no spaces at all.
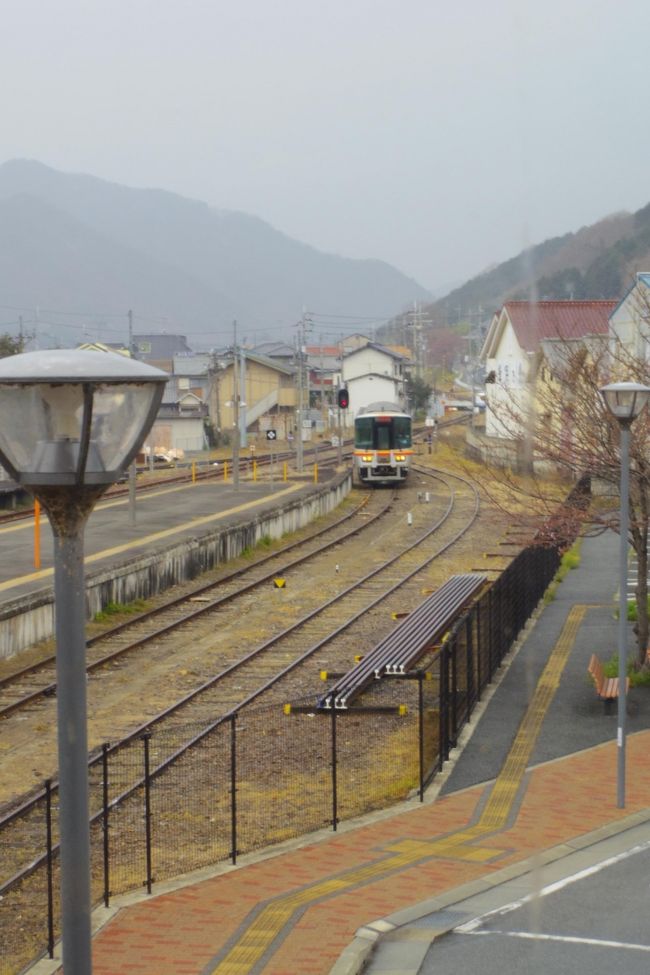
{"x":414,"y":637}
{"x":606,"y":687}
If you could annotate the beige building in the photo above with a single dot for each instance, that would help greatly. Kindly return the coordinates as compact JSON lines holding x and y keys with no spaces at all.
{"x":267,"y":395}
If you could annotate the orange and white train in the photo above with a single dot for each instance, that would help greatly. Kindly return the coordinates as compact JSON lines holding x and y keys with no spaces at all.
{"x":382,"y":444}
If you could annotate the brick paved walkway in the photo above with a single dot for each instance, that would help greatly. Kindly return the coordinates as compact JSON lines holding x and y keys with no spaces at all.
{"x":327,"y":890}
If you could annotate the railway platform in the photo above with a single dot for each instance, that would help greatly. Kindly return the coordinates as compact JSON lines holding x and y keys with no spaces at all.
{"x":162,"y":513}
{"x":530,"y":797}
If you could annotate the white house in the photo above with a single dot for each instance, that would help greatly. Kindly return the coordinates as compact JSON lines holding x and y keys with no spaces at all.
{"x":513,"y":352}
{"x":373,"y":373}
{"x":630,"y":320}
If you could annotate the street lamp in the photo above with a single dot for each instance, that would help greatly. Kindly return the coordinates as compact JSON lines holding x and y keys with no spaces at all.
{"x":72,"y":421}
{"x":624,"y":401}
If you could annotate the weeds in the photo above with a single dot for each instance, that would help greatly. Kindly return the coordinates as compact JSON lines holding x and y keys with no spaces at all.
{"x":119,"y":609}
{"x":570,"y":560}
{"x":638,"y":678}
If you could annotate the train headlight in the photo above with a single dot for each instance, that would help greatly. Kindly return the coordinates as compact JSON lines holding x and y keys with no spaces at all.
{"x":400,"y":458}
{"x":366,"y":458}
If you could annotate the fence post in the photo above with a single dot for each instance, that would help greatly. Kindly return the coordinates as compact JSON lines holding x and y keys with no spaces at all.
{"x":469,"y":650}
{"x":335,"y":811}
{"x":107,"y":861}
{"x":478,"y":615}
{"x":421,"y":730}
{"x":233,"y":789}
{"x":454,"y":690}
{"x":442,"y":716}
{"x":147,"y":809}
{"x":50,"y":890}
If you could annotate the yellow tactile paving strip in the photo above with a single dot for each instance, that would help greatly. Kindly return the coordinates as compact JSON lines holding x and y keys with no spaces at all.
{"x":294,"y":913}
{"x":147,"y":540}
{"x":264,"y":928}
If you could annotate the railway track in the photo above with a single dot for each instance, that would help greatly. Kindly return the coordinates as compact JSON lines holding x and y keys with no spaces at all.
{"x":26,"y":687}
{"x":280,"y":667}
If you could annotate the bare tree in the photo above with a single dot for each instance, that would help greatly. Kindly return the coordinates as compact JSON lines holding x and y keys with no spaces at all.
{"x":573,"y":436}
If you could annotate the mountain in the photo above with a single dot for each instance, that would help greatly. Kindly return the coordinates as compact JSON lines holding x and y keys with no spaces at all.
{"x":595,"y":262}
{"x":172,"y":259}
{"x":83,"y":280}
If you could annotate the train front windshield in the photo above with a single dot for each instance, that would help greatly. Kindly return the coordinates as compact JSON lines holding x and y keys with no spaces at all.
{"x":382,"y":433}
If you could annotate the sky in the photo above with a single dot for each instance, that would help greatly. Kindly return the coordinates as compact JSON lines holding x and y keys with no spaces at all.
{"x":442,"y":138}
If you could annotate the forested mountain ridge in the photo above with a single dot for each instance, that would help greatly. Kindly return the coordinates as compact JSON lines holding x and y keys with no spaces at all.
{"x":598,"y":261}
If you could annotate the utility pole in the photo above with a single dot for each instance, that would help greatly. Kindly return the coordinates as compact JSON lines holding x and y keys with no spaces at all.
{"x":303,"y":325}
{"x":132,"y":467}
{"x":339,"y":453}
{"x":299,"y":412}
{"x":235,"y":403}
{"x":242,"y":402}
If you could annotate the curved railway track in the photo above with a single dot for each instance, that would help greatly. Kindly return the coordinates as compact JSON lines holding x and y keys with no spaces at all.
{"x":280,"y":667}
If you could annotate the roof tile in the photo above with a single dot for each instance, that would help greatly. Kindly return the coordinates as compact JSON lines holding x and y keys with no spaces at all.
{"x":534,"y":321}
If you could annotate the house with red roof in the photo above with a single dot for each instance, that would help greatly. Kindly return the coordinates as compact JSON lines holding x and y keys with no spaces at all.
{"x":523,"y":343}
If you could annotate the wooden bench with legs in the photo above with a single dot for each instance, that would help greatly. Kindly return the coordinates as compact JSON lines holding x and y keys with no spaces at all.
{"x":606,"y":687}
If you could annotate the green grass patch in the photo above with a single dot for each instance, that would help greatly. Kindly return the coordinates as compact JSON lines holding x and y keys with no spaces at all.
{"x":570,"y":560}
{"x":632,"y":610}
{"x":119,"y":609}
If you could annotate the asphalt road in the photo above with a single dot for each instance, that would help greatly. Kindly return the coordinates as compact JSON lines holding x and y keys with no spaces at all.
{"x":583,"y":925}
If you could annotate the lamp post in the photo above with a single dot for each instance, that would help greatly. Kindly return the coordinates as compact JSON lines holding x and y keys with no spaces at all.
{"x":624,"y":401}
{"x":72,"y":421}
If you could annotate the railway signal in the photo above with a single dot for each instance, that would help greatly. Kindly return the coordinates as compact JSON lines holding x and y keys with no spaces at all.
{"x":343,"y":398}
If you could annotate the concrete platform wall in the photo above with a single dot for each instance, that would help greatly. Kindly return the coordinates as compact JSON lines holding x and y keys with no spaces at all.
{"x":29,"y":619}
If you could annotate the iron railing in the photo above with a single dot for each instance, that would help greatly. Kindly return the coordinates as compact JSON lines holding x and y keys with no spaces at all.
{"x":264,"y":775}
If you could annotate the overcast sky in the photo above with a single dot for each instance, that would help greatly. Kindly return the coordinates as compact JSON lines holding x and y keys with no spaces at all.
{"x":440,"y":140}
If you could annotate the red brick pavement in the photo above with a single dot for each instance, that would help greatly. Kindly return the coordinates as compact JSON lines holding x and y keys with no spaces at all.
{"x":182,"y":933}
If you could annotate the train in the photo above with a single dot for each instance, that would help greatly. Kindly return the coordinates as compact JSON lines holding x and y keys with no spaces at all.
{"x":382,"y":444}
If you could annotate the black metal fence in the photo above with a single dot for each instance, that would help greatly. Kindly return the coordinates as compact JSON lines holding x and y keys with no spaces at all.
{"x":269,"y":774}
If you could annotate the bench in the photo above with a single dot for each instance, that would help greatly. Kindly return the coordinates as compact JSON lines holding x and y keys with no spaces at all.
{"x":606,"y":687}
{"x":413,"y":638}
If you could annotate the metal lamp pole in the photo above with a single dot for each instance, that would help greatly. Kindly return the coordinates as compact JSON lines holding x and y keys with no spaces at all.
{"x":624,"y":401}
{"x":622,"y":612}
{"x":72,"y":422}
{"x":68,"y":522}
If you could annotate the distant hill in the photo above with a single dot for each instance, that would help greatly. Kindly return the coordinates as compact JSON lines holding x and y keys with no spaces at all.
{"x":74,"y":243}
{"x":595,"y":262}
{"x":83,"y":280}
